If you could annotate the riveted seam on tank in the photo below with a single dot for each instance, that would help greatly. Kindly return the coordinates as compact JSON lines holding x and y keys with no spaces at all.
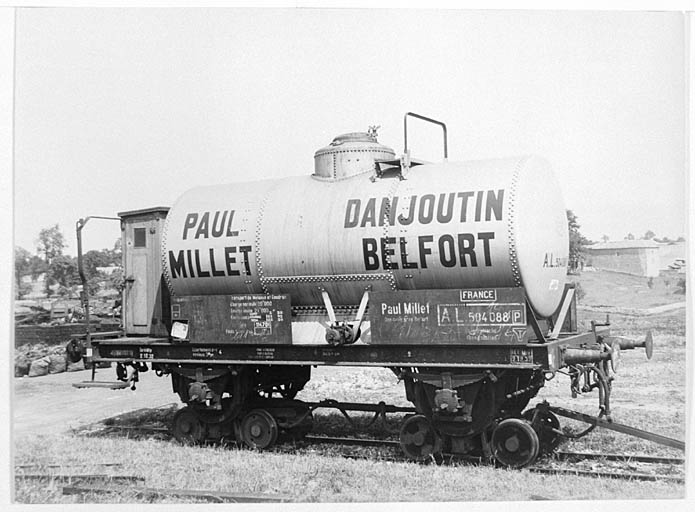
{"x":321,"y":310}
{"x":385,"y":220}
{"x":511,"y":222}
{"x":334,"y":153}
{"x":324,"y":278}
{"x":337,"y":307}
{"x":257,"y":242}
{"x":165,"y":268}
{"x":329,"y":179}
{"x":364,"y":150}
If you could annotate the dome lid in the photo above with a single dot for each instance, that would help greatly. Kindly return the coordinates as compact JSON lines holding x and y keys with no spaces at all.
{"x":350,"y":154}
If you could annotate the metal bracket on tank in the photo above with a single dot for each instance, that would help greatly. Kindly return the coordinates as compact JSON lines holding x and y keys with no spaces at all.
{"x":531,"y":316}
{"x":566,"y":303}
{"x":342,"y":333}
{"x":361,"y":311}
{"x":329,"y":306}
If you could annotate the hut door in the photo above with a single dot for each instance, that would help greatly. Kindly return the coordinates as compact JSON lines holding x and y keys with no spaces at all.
{"x":145,"y":303}
{"x":138,"y":279}
{"x":137,"y":288}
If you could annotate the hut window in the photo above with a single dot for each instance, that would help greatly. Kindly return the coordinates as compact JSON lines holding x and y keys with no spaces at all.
{"x":140,"y":237}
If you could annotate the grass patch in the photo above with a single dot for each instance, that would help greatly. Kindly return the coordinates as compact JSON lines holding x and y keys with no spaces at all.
{"x":305,"y":477}
{"x":313,"y":473}
{"x":615,"y":290}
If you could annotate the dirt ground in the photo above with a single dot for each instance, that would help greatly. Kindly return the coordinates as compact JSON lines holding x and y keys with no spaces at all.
{"x":51,"y":405}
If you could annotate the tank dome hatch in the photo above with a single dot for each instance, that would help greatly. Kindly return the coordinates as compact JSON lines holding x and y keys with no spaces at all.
{"x":350,"y":154}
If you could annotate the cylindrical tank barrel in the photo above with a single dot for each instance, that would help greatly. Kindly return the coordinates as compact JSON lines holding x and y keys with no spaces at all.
{"x":495,"y":223}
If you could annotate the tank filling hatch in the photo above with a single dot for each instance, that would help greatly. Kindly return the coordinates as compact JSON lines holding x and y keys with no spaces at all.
{"x":350,"y":154}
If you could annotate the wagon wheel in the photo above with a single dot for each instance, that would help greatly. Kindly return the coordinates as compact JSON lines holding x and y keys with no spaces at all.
{"x":514,"y":443}
{"x":418,"y":439}
{"x":187,"y":427}
{"x":259,"y":429}
{"x":545,"y":426}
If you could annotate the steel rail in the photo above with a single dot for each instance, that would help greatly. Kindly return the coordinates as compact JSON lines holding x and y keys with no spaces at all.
{"x":39,"y":465}
{"x":88,"y":477}
{"x":145,"y":428}
{"x":211,"y":495}
{"x":355,"y":456}
{"x":607,"y":474}
{"x":549,"y":471}
{"x":562,"y":455}
{"x":401,"y":457}
{"x":351,"y":441}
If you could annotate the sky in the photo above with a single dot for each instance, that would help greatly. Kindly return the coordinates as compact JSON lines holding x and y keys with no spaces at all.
{"x":120,"y":109}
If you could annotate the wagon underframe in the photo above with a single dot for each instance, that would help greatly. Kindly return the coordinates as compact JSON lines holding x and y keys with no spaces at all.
{"x":538,"y":356}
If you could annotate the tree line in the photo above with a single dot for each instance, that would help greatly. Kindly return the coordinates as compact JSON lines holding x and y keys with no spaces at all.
{"x":61,"y":269}
{"x":578,"y":243}
{"x":649,"y":235}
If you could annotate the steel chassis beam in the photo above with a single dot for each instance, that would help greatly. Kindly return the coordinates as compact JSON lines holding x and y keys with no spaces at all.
{"x":523,"y":356}
{"x":161,"y":350}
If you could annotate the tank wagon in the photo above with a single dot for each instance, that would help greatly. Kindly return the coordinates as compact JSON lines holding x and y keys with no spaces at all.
{"x":452,"y":275}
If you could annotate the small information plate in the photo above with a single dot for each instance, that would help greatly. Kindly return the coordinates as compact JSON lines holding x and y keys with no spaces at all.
{"x":242,"y":319}
{"x":179,"y":330}
{"x":449,"y":317}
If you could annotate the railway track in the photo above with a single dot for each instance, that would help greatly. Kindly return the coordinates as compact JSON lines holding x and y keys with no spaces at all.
{"x":558,"y":456}
{"x":603,"y":465}
{"x":100,"y":483}
{"x":563,"y":455}
{"x":630,"y":475}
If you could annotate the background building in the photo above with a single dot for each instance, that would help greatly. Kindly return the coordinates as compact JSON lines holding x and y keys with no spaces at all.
{"x":638,"y":257}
